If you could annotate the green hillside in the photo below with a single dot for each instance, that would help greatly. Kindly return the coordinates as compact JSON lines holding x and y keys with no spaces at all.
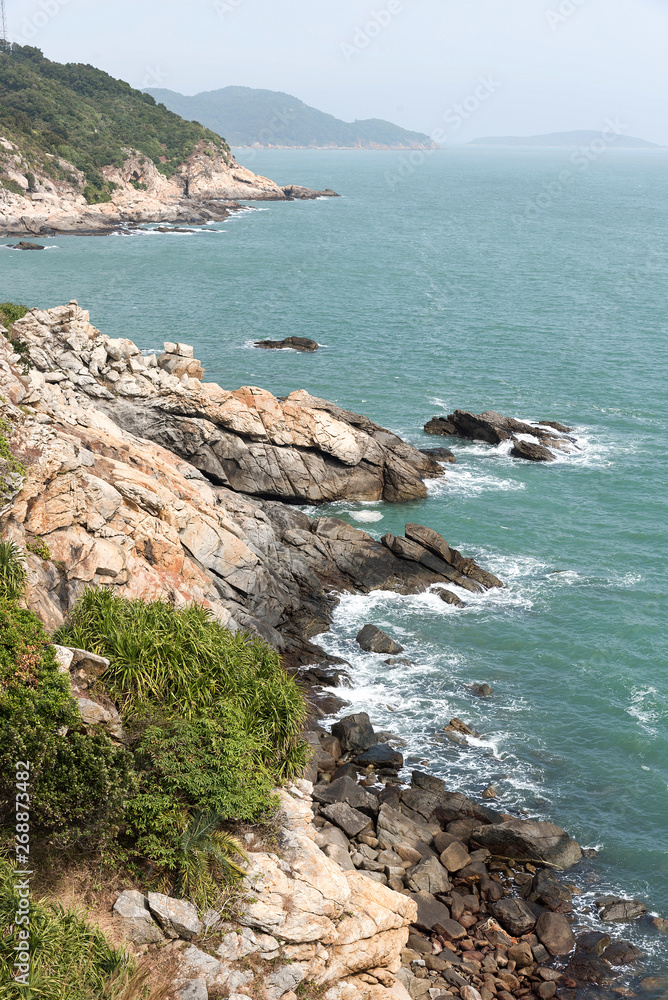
{"x":581,"y":138}
{"x":88,"y":118}
{"x":247,"y":117}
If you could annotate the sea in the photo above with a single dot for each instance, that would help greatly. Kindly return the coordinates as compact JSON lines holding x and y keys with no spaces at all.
{"x":528,"y":281}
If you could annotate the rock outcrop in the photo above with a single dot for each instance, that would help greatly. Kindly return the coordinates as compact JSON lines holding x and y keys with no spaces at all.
{"x":303,"y":344}
{"x":544,"y":437}
{"x":141,"y":477}
{"x":208,"y":184}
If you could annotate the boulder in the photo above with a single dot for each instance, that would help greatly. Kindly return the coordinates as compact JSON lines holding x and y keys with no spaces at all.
{"x":354,"y":733}
{"x":373,"y":640}
{"x":194,"y":989}
{"x":132,"y":907}
{"x":531,"y":451}
{"x":448,"y":597}
{"x":395,"y":828}
{"x":282,"y":981}
{"x":429,"y":911}
{"x":24,"y":245}
{"x":530,"y":840}
{"x":622,"y":953}
{"x":590,"y":968}
{"x":302,"y":344}
{"x":428,"y":876}
{"x":546,"y":889}
{"x":439,"y":454}
{"x":515,"y":915}
{"x":440,"y":426}
{"x":455,"y":857}
{"x":620,"y":911}
{"x":346,"y":790}
{"x":555,"y":933}
{"x":177,"y":917}
{"x":382,"y":755}
{"x":351,"y":821}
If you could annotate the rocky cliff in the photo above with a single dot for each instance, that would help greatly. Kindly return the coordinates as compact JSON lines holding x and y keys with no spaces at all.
{"x":140,"y":476}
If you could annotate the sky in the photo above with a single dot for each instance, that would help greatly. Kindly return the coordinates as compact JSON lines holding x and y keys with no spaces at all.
{"x":467,"y":67}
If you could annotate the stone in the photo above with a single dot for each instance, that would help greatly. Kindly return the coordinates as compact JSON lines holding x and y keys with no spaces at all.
{"x":515,"y":915}
{"x":555,"y":933}
{"x":340,"y":855}
{"x":332,"y":835}
{"x":177,"y":917}
{"x":546,"y":889}
{"x":354,"y":733}
{"x":521,"y":954}
{"x":546,"y":990}
{"x":280,"y":982}
{"x":429,"y":912}
{"x":396,"y":828}
{"x":531,"y":451}
{"x":382,"y":755}
{"x":346,"y":790}
{"x":428,"y":876}
{"x":93,"y":714}
{"x":200,"y":965}
{"x":24,"y":245}
{"x":351,"y":821}
{"x":589,"y":968}
{"x":613,"y":911}
{"x":482,"y":690}
{"x":455,"y":856}
{"x":448,"y":597}
{"x":303,"y":344}
{"x":373,"y":640}
{"x":439,"y":454}
{"x":530,"y":840}
{"x":194,"y":989}
{"x":622,"y":953}
{"x":132,"y":907}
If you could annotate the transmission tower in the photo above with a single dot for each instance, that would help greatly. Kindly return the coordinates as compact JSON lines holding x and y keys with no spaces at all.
{"x":4,"y":42}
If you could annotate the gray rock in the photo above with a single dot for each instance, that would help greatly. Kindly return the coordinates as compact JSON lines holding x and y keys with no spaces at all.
{"x":555,"y":933}
{"x":455,"y":857}
{"x":428,"y":876}
{"x":531,"y":451}
{"x":340,"y":855}
{"x":528,"y":840}
{"x":351,"y":821}
{"x":620,"y":911}
{"x":354,"y":733}
{"x":622,"y":953}
{"x":395,"y":828}
{"x":515,"y":915}
{"x":199,"y":965}
{"x":430,"y":911}
{"x":346,"y":790}
{"x":331,"y":835}
{"x":381,"y":756}
{"x":177,"y":917}
{"x":283,"y":980}
{"x":303,"y":344}
{"x":373,"y":640}
{"x":194,"y":989}
{"x":132,"y":907}
{"x":546,"y":889}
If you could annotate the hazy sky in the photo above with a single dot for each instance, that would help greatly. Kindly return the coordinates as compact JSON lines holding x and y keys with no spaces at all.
{"x":549,"y":65}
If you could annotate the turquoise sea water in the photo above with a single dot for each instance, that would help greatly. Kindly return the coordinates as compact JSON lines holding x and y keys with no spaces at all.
{"x":446,"y":291}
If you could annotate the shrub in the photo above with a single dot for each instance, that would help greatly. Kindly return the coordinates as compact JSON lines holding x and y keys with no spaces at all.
{"x":185,"y":662}
{"x":9,"y":185}
{"x":12,"y":570}
{"x":10,"y":312}
{"x":70,"y":960}
{"x":9,"y":463}
{"x":79,"y":781}
{"x":38,"y":547}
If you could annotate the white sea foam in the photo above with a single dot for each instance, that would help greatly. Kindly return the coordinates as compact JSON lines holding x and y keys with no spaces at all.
{"x":366,"y":515}
{"x":467,"y":482}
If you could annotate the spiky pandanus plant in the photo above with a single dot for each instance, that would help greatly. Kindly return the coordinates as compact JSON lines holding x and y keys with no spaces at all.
{"x":12,"y":570}
{"x":206,"y":863}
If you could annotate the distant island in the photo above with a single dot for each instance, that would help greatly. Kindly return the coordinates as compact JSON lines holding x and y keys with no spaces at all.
{"x":250,"y":117}
{"x":581,"y":138}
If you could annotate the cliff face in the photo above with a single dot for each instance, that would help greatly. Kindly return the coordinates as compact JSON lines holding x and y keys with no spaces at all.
{"x":140,"y":476}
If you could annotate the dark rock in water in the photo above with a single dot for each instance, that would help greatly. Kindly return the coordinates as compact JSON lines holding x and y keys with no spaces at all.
{"x":555,"y":425}
{"x":449,"y":598}
{"x":355,"y":733}
{"x":531,"y":451}
{"x":613,"y":911}
{"x":515,"y":916}
{"x":439,"y":454}
{"x":294,"y":343}
{"x":351,"y":821}
{"x":593,"y":943}
{"x":347,"y":790}
{"x":298,"y":192}
{"x":394,"y":661}
{"x":27,"y":246}
{"x":528,"y":840}
{"x":555,"y":933}
{"x":546,"y":889}
{"x":380,"y":755}
{"x":346,"y":771}
{"x":440,"y":426}
{"x":373,"y":640}
{"x":622,"y":953}
{"x":430,"y":783}
{"x":589,"y":968}
{"x":326,"y":673}
{"x":482,"y":690}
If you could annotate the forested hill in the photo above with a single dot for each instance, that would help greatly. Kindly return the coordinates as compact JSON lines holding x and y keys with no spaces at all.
{"x":82,"y":115}
{"x":249,"y":117}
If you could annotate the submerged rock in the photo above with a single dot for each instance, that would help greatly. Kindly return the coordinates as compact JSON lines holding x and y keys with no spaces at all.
{"x":613,"y":910}
{"x":493,"y":428}
{"x":373,"y":640}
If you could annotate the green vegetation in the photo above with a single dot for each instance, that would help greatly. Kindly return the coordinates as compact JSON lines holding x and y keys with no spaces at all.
{"x":12,"y":570}
{"x":38,"y":547}
{"x":9,"y":185}
{"x":246,"y":116}
{"x":85,"y":117}
{"x":10,"y":465}
{"x":10,"y":312}
{"x":70,"y":960}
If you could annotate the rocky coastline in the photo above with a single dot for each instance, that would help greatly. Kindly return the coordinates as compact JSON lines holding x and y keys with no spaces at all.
{"x":209,"y":186}
{"x":139,"y":476}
